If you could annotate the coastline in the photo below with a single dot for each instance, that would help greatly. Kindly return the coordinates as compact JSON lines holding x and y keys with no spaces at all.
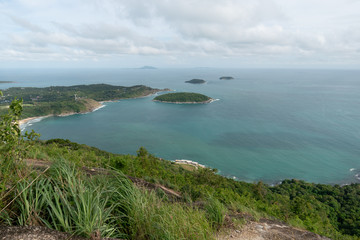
{"x":24,"y":121}
{"x":100,"y":105}
{"x":148,"y":95}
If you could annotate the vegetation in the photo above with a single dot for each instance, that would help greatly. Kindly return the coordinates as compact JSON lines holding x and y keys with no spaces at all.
{"x":67,"y":195}
{"x":332,"y":211}
{"x":73,"y":99}
{"x":183,"y":97}
{"x":196,"y":81}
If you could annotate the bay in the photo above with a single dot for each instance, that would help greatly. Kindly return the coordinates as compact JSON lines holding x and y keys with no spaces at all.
{"x":268,"y":124}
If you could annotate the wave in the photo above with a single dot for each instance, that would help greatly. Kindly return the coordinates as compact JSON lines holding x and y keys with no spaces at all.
{"x":357,"y":176}
{"x":352,"y":169}
{"x":30,"y":122}
{"x":214,"y":100}
{"x":100,"y":107}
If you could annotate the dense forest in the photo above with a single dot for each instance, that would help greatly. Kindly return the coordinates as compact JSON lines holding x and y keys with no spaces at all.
{"x":183,"y":97}
{"x":58,"y":100}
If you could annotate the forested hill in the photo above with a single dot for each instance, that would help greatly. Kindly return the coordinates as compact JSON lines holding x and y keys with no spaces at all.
{"x":70,"y":99}
{"x":97,"y":92}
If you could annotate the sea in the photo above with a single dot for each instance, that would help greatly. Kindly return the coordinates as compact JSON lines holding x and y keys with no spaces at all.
{"x":265,"y":125}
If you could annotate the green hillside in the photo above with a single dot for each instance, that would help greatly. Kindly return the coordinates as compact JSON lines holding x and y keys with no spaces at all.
{"x":79,"y":98}
{"x":88,"y":192}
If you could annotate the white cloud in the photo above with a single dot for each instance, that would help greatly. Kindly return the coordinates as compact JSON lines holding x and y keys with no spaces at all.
{"x":296,"y":31}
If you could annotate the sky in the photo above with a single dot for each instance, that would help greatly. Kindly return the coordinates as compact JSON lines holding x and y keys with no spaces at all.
{"x":180,"y":33}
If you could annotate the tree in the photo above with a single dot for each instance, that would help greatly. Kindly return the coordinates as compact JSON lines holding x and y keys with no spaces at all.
{"x":12,"y":144}
{"x":142,"y":152}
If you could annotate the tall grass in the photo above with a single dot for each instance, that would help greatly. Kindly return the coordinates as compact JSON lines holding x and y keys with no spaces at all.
{"x":106,"y":206}
{"x":79,"y":205}
{"x":151,"y":218}
{"x":31,"y":201}
{"x":215,"y":212}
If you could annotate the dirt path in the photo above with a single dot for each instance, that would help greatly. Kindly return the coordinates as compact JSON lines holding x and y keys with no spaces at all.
{"x":268,"y":230}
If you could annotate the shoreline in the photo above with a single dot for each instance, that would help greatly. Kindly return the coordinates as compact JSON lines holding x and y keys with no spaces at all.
{"x":24,"y":121}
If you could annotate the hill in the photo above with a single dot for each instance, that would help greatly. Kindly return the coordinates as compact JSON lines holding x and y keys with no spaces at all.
{"x":60,"y":100}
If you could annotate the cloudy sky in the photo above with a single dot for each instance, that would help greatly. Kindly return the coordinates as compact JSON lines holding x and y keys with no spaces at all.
{"x":180,"y":33}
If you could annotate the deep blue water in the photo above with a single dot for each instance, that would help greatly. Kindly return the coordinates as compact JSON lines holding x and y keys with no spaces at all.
{"x":268,"y":124}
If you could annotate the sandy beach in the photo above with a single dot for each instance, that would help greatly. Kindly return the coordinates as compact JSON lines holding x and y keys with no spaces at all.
{"x":22,"y":122}
{"x":26,"y":120}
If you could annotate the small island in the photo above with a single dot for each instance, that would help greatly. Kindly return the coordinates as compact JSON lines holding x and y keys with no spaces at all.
{"x":148,"y":67}
{"x":183,"y":97}
{"x":226,"y":78}
{"x":196,"y":81}
{"x":6,"y":81}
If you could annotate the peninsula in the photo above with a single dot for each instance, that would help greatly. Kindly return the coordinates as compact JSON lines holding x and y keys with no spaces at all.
{"x":183,"y":97}
{"x":60,"y":100}
{"x":196,"y":81}
{"x":226,"y":78}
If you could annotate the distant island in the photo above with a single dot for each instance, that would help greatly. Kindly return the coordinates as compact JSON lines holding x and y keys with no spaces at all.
{"x":6,"y":81}
{"x":196,"y":81}
{"x":183,"y":97}
{"x":60,"y":101}
{"x":148,"y":67}
{"x":226,"y":78}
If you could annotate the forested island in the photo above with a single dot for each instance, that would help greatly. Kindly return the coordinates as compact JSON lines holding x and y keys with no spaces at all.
{"x":196,"y":81}
{"x":183,"y":97}
{"x":6,"y":82}
{"x":226,"y":78}
{"x":65,"y":100}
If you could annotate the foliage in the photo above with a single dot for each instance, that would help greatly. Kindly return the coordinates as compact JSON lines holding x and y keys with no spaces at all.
{"x":80,"y":206}
{"x":340,"y":204}
{"x":215,"y":212}
{"x":152,"y":218}
{"x":182,"y":97}
{"x":12,"y":147}
{"x":79,"y":98}
{"x":196,"y":81}
{"x":324,"y":209}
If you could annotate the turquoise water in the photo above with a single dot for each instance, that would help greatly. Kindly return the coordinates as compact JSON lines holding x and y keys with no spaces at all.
{"x":268,"y":124}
